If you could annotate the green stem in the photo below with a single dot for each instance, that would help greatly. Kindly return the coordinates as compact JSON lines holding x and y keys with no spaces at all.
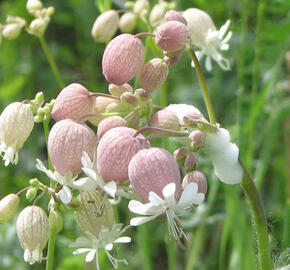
{"x":51,"y":61}
{"x":260,"y":221}
{"x":144,"y":246}
{"x":52,"y":234}
{"x":205,"y":91}
{"x":247,"y":184}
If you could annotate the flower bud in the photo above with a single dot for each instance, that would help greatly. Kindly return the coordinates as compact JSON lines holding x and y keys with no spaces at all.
{"x":31,"y":193}
{"x":16,"y":123}
{"x":189,"y":162}
{"x":66,"y":142}
{"x":153,"y":74}
{"x":165,"y":119}
{"x":50,"y":11}
{"x":55,"y":220}
{"x":118,"y":90}
{"x":130,"y":99}
{"x":196,"y":138}
{"x":173,"y":15}
{"x":198,"y":25}
{"x":141,"y":94}
{"x":95,"y":212}
{"x":198,"y":178}
{"x":38,"y":26}
{"x":123,"y":59}
{"x":33,"y":231}
{"x":115,"y":150}
{"x":157,"y":14}
{"x":180,"y":153}
{"x":33,"y":5}
{"x":105,"y":26}
{"x":72,"y":102}
{"x":141,"y":7}
{"x":128,"y":22}
{"x":109,"y":123}
{"x":99,"y":106}
{"x":171,"y":36}
{"x":151,"y":170}
{"x":8,"y":207}
{"x":115,"y":106}
{"x":13,"y":28}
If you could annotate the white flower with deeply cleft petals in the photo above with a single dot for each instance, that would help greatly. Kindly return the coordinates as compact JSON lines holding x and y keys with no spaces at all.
{"x":67,"y":181}
{"x":169,"y":206}
{"x":106,"y":239}
{"x":207,"y":38}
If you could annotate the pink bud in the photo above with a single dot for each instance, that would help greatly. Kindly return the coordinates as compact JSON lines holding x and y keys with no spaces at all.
{"x":189,"y":162}
{"x":129,"y":99}
{"x":153,"y":74}
{"x":66,"y":142}
{"x":173,"y":57}
{"x":151,"y":170}
{"x":173,"y":15}
{"x":123,"y":59}
{"x":171,"y":36}
{"x":198,"y":178}
{"x":109,"y":123}
{"x":118,"y":90}
{"x":196,"y":137}
{"x":72,"y":102}
{"x":180,"y":153}
{"x":115,"y":150}
{"x":165,"y":119}
{"x":141,"y":94}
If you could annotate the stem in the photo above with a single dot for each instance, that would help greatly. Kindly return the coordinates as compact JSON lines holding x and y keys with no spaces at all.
{"x":160,"y":130}
{"x":22,"y":190}
{"x":46,"y":132}
{"x":51,"y":61}
{"x":144,"y":34}
{"x":205,"y":91}
{"x":256,"y":205}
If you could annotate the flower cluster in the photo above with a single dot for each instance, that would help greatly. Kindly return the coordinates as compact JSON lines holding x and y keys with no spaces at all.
{"x":92,"y":169}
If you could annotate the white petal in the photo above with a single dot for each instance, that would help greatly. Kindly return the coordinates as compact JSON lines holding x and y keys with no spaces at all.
{"x":124,"y":239}
{"x":208,"y":63}
{"x":227,"y":38}
{"x":111,"y":188}
{"x":169,"y":192}
{"x":90,"y":173}
{"x":155,"y":199}
{"x":85,"y":184}
{"x":86,"y":161}
{"x":81,"y":250}
{"x":225,"y":47}
{"x":40,"y":166}
{"x":90,"y":256}
{"x":198,"y":199}
{"x":187,"y":195}
{"x":109,"y":247}
{"x":65,"y":195}
{"x":143,"y":209}
{"x":224,"y":29}
{"x":141,"y":220}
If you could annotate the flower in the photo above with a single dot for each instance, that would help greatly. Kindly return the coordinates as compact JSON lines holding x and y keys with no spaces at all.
{"x":169,"y":206}
{"x":106,"y":239}
{"x":67,"y":181}
{"x":207,"y":39}
{"x":16,"y":124}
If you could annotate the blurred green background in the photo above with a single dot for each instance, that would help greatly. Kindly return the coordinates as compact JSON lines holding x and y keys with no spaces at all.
{"x":252,"y":101}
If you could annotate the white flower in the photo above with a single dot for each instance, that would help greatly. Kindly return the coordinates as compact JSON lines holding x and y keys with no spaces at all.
{"x":169,"y":206}
{"x":215,"y":41}
{"x":224,"y":156}
{"x":106,"y":239}
{"x":67,"y":181}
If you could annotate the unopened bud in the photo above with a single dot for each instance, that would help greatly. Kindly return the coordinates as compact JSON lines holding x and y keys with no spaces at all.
{"x":33,"y":5}
{"x":189,"y":162}
{"x":118,"y":90}
{"x":153,"y":74}
{"x":173,"y":15}
{"x":115,"y":106}
{"x":109,"y":123}
{"x":141,"y":7}
{"x":129,"y":99}
{"x":198,"y":178}
{"x":55,"y":220}
{"x":180,"y":153}
{"x":8,"y":207}
{"x":156,"y":15}
{"x":34,"y":182}
{"x":50,"y":11}
{"x":39,"y":98}
{"x":31,"y":193}
{"x":94,"y":213}
{"x":165,"y":119}
{"x":141,"y":94}
{"x":105,"y":26}
{"x":13,"y":28}
{"x":196,"y":138}
{"x":128,"y":22}
{"x":33,"y":231}
{"x":37,"y":27}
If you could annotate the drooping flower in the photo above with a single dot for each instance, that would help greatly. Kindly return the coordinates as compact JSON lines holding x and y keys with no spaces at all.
{"x":206,"y":38}
{"x":109,"y":123}
{"x":105,"y":240}
{"x":16,"y":124}
{"x":195,"y":177}
{"x":8,"y":207}
{"x":33,"y":231}
{"x":165,"y":119}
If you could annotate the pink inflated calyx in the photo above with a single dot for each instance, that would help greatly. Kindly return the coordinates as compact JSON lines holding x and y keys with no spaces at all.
{"x":109,"y":123}
{"x":151,"y":170}
{"x":123,"y":59}
{"x":72,"y":102}
{"x":66,"y":142}
{"x":165,"y":119}
{"x":115,"y":150}
{"x":173,"y":15}
{"x":198,"y":178}
{"x":171,"y":36}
